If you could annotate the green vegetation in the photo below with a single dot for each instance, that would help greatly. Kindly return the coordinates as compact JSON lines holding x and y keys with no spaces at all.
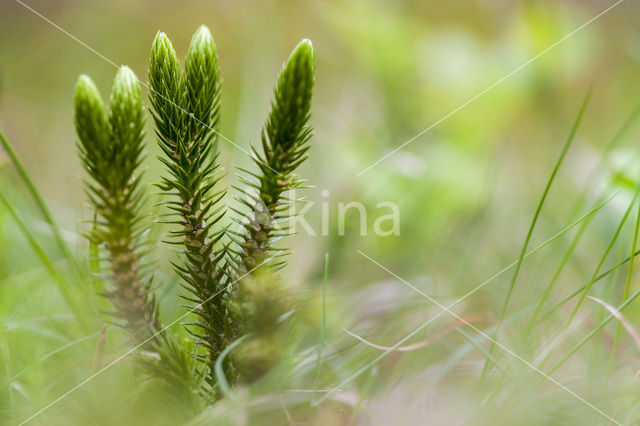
{"x":111,"y":149}
{"x":153,"y":269}
{"x":231,"y":297}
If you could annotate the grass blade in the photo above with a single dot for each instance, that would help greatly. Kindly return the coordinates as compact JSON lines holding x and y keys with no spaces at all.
{"x":323,"y":324}
{"x":536,"y":215}
{"x":627,"y":285}
{"x":371,"y":363}
{"x":618,"y":137}
{"x":595,"y":277}
{"x":593,"y":332}
{"x":42,"y":205}
{"x":221,"y":380}
{"x":67,"y":291}
{"x":623,"y":321}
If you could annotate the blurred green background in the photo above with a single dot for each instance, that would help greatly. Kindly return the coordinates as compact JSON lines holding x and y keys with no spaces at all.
{"x":386,"y":70}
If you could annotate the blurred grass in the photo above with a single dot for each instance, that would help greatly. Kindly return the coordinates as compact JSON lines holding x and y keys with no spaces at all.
{"x":466,"y":191}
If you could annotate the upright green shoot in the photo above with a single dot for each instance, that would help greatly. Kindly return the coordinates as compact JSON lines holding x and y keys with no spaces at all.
{"x":260,"y":300}
{"x":186,"y":108}
{"x":111,"y":151}
{"x":285,"y":138}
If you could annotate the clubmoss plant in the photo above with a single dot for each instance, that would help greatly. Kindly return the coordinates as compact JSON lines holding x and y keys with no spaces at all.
{"x":260,"y":299}
{"x":186,"y":109}
{"x":285,"y":138}
{"x":111,"y":151}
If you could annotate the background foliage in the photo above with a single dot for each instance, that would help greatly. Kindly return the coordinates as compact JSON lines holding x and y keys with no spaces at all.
{"x":467,"y":191}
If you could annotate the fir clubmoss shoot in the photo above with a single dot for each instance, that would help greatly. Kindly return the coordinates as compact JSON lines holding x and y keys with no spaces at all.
{"x":186,"y":108}
{"x":260,"y":300}
{"x":111,"y":151}
{"x":285,"y":138}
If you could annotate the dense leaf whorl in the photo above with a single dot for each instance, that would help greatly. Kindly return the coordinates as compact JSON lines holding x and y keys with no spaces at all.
{"x":186,"y":109}
{"x":232,"y":289}
{"x":285,"y":138}
{"x":111,"y":152}
{"x":260,"y":299}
